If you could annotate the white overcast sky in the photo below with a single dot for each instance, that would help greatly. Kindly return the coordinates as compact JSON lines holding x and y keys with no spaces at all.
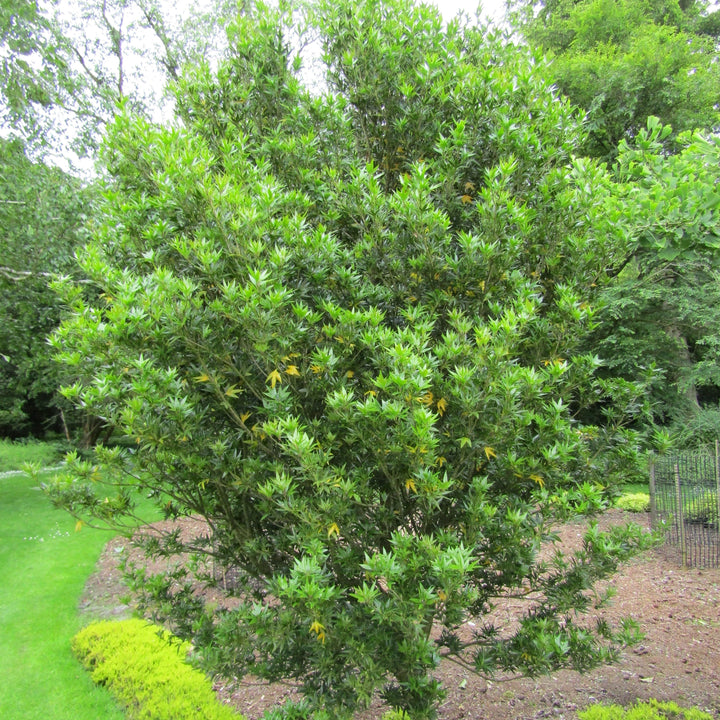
{"x":493,"y":9}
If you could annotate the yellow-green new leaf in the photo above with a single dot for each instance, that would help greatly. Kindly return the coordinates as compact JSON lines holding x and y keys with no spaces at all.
{"x":233,"y":391}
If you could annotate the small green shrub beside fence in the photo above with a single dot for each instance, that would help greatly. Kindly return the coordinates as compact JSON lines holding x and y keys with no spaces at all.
{"x":634,"y":502}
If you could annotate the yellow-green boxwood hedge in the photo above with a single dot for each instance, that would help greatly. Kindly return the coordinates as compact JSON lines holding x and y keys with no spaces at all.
{"x":651,"y":710}
{"x":147,"y":673}
{"x":634,"y":502}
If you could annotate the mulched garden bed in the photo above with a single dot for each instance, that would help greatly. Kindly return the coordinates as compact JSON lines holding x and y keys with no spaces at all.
{"x":679,"y":659}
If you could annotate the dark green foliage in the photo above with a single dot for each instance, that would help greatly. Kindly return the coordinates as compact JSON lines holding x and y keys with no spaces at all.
{"x":698,"y":430}
{"x":702,"y":507}
{"x":660,"y":312}
{"x":346,"y":329}
{"x":41,"y":211}
{"x":146,"y":670}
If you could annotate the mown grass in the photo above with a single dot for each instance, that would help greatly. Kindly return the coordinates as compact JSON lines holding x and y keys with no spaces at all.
{"x":14,"y":454}
{"x":44,"y":564}
{"x":632,"y":488}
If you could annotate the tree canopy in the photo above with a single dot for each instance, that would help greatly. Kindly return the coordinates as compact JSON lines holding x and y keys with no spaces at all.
{"x":67,"y":67}
{"x":625,"y":60}
{"x":660,"y":310}
{"x":346,"y":329}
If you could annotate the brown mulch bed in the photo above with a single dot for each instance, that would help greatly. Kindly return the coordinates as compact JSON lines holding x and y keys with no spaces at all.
{"x":679,"y":658}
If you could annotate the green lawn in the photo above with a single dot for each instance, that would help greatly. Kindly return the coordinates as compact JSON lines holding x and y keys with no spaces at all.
{"x":14,"y":454}
{"x":636,"y":487}
{"x":43,"y":567}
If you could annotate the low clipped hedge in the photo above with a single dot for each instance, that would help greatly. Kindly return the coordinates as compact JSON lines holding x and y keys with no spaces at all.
{"x":634,"y":502}
{"x":651,"y":710}
{"x":145,"y":669}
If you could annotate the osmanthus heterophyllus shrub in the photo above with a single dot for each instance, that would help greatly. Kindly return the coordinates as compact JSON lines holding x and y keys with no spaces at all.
{"x":344,"y":328}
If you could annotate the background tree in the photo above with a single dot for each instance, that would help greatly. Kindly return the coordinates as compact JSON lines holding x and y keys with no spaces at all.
{"x":345,"y":330}
{"x":41,"y":212}
{"x":129,"y":51}
{"x":622,"y":61}
{"x":35,"y":62}
{"x":67,"y":69}
{"x":661,"y":310}
{"x":68,"y":66}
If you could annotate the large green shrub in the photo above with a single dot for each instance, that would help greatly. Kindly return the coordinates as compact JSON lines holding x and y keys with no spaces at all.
{"x":147,"y":672}
{"x":344,"y":329}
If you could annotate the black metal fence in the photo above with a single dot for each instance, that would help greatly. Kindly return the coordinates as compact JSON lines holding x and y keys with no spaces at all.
{"x":685,"y":501}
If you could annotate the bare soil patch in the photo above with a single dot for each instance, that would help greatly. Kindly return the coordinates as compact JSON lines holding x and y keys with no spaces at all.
{"x":679,"y":659}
